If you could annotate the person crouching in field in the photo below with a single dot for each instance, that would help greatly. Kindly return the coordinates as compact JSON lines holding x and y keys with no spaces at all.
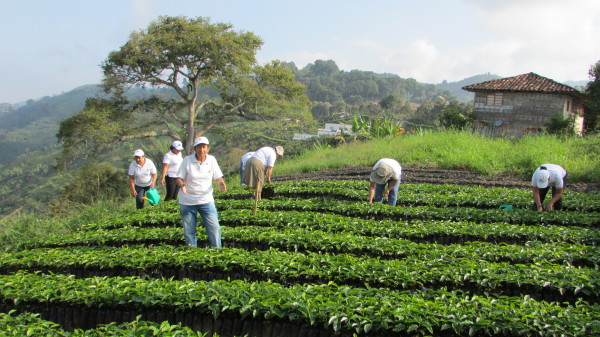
{"x":385,"y":172}
{"x":544,"y":177}
{"x":260,"y":168}
{"x":243,"y":162}
{"x":195,"y":180}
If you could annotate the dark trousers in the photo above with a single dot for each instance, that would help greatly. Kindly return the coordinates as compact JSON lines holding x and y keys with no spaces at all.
{"x":172,"y":188}
{"x":141,"y":193}
{"x":543,"y":191}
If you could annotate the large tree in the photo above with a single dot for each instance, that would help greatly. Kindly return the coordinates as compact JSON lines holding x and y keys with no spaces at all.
{"x":213,"y":72}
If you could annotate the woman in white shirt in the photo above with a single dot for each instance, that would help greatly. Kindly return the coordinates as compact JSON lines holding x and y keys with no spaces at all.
{"x":171,"y":162}
{"x":195,"y":179}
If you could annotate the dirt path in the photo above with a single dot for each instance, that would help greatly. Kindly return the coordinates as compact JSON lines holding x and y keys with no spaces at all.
{"x":428,"y":176}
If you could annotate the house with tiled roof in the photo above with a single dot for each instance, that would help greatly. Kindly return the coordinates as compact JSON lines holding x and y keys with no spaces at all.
{"x":523,"y":104}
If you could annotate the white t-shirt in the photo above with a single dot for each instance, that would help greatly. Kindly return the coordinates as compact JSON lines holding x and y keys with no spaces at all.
{"x":198,"y":178}
{"x":266,"y":155}
{"x":557,"y":173}
{"x":245,"y":158}
{"x":142,"y":175}
{"x":394,"y":165}
{"x":174,"y":160}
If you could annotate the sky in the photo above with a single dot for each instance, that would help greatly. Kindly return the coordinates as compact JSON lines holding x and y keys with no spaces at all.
{"x":52,"y":47}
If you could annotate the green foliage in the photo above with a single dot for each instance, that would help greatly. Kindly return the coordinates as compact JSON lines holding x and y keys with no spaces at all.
{"x":457,"y":116}
{"x":94,"y":182}
{"x":560,"y":126}
{"x":592,"y":104}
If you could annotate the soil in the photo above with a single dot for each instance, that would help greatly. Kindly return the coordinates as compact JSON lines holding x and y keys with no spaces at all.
{"x":429,"y":176}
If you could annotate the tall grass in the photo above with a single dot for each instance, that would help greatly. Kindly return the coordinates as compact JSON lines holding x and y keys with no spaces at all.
{"x":18,"y":228}
{"x":460,"y":150}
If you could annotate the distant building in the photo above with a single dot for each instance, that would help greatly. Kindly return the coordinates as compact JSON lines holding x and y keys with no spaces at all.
{"x":334,"y":129}
{"x":330,"y":129}
{"x":523,"y":104}
{"x":302,"y":136}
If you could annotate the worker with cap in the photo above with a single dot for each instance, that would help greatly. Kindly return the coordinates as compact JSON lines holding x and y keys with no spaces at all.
{"x":545,"y":177}
{"x":195,"y":180}
{"x":171,"y":162}
{"x":142,"y":177}
{"x":243,"y":162}
{"x":384,"y":181}
{"x":260,"y":168}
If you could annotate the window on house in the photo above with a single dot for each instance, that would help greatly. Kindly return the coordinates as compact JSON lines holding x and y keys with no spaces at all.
{"x":494,"y":99}
{"x":568,"y":106}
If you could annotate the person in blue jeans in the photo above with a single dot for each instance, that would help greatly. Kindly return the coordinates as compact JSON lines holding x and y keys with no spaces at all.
{"x":384,"y":181}
{"x":142,"y":177}
{"x":195,"y":180}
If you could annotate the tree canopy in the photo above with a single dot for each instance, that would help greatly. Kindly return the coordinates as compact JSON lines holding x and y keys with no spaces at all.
{"x":592,"y":106}
{"x":212,"y":71}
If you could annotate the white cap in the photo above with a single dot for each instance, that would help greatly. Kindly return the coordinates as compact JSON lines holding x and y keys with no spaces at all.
{"x":138,"y":153}
{"x":541,"y":178}
{"x":177,"y":145}
{"x":201,"y":140}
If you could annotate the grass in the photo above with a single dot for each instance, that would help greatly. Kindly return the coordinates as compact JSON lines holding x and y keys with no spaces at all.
{"x":462,"y":151}
{"x":22,"y":227}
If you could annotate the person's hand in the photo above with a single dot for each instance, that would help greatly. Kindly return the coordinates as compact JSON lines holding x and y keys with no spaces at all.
{"x":222,"y":187}
{"x":162,"y":182}
{"x":549,"y":207}
{"x":386,"y":193}
{"x":152,"y":185}
{"x":134,"y":193}
{"x":184,"y":190}
{"x":540,"y":208}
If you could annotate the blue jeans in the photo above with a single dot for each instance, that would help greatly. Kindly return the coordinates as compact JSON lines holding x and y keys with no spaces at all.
{"x":210,"y":220}
{"x":392,"y":197}
{"x":141,"y":193}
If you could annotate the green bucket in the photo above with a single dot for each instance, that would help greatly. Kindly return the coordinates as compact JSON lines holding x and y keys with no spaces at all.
{"x":152,"y":196}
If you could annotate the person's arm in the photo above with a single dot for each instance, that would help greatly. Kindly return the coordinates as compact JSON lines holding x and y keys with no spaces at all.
{"x":392,"y":183}
{"x":269,"y":171}
{"x":153,"y":181}
{"x":163,"y":174}
{"x":371,"y":191}
{"x":556,"y":197}
{"x":536,"y":199}
{"x":222,"y":186}
{"x":132,"y":186}
{"x":181,"y":185}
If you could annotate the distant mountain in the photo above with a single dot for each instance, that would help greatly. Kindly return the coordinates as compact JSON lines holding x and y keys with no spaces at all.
{"x":577,"y":84}
{"x":33,"y":126}
{"x":456,"y":87}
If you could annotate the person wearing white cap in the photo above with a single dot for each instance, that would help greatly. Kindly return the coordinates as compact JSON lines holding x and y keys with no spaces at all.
{"x":243,"y":161}
{"x":260,"y":167}
{"x":195,"y":179}
{"x":142,"y":177}
{"x":385,"y":172}
{"x":171,"y":162}
{"x":545,"y":177}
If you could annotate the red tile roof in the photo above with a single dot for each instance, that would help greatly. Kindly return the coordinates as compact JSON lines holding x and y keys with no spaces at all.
{"x":531,"y":82}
